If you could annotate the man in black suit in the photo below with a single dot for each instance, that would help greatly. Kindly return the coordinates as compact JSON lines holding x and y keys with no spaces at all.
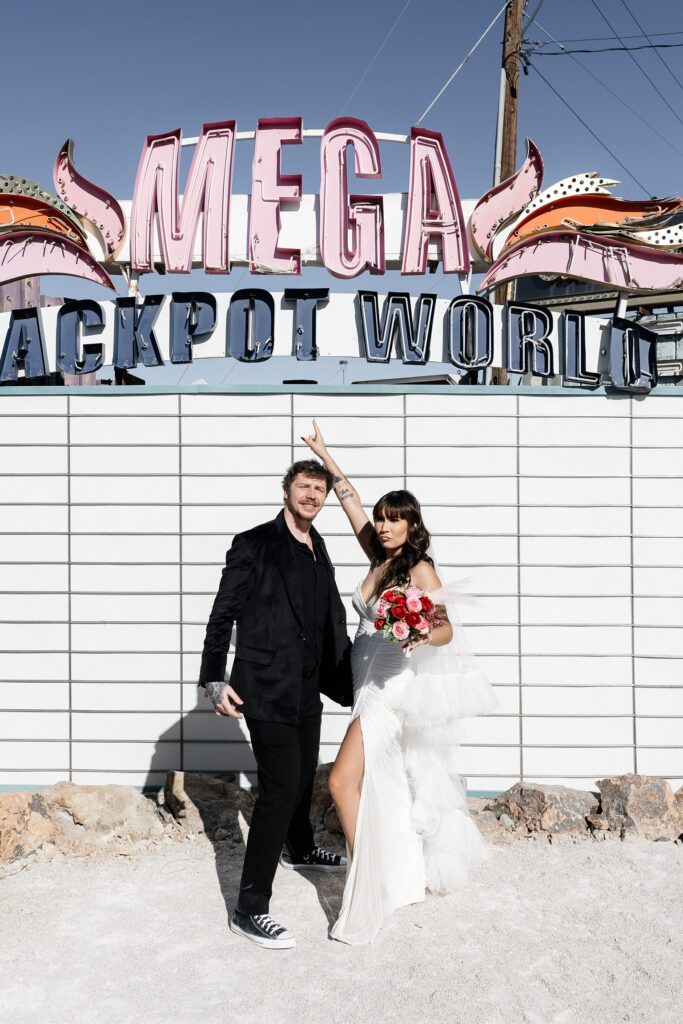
{"x":278,"y":587}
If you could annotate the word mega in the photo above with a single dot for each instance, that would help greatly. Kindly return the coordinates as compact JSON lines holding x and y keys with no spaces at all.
{"x":351,"y":227}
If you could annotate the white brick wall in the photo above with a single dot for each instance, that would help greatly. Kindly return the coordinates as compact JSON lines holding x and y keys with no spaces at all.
{"x":116,"y":510}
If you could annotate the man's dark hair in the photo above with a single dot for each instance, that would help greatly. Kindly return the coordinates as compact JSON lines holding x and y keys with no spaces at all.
{"x":309,"y":467}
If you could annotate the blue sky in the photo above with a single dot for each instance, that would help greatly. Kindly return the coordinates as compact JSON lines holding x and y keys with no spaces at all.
{"x":107,"y":75}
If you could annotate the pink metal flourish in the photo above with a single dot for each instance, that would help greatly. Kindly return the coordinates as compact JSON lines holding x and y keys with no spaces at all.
{"x":501,"y":203}
{"x":32,"y":253}
{"x":207,"y":192}
{"x":89,"y":201}
{"x":434,"y":209}
{"x":270,"y":188}
{"x":351,"y":227}
{"x":572,"y":254}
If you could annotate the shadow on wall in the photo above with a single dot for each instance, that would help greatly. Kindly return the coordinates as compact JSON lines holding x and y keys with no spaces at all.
{"x":211,"y":744}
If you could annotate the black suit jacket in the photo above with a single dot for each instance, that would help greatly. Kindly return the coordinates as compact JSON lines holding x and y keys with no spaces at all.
{"x":260,"y":591}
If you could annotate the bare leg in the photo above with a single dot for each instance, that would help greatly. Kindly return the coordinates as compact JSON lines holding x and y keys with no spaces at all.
{"x":345,"y":780}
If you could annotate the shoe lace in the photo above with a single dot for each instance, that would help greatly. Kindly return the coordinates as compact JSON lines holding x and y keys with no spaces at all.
{"x":324,"y":855}
{"x":266,"y":922}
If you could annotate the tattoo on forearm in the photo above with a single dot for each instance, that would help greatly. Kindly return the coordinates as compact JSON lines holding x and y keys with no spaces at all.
{"x":215,"y":692}
{"x":343,"y":489}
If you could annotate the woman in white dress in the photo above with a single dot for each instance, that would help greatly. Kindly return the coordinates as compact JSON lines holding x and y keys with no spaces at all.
{"x":400,"y":800}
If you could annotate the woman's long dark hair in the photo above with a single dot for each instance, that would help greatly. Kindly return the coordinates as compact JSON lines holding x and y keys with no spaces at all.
{"x":400,"y":505}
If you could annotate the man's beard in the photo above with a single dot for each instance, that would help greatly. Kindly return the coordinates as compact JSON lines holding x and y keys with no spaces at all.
{"x":303,"y":511}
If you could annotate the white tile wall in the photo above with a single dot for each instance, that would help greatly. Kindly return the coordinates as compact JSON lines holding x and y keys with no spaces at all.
{"x":228,"y":430}
{"x":115,"y":461}
{"x":570,"y":430}
{"x":33,"y":518}
{"x":491,"y":490}
{"x":123,"y":430}
{"x":561,"y":512}
{"x":459,"y":430}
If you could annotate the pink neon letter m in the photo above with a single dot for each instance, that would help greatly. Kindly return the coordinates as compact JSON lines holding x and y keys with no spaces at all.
{"x":207,"y":192}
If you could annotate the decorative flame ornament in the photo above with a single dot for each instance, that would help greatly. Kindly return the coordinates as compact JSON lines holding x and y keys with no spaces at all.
{"x":499,"y":205}
{"x":89,"y":201}
{"x":577,"y":229}
{"x":40,"y":234}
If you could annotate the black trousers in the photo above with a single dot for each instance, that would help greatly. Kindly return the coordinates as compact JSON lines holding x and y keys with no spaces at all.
{"x":286,"y":758}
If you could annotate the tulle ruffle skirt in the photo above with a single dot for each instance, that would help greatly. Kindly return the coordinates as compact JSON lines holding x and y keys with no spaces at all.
{"x":414,"y":831}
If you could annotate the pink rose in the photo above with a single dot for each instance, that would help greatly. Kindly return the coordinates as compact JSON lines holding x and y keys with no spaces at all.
{"x":413,"y":592}
{"x":423,"y":625}
{"x":414,"y":604}
{"x":383,"y":608}
{"x":400,"y":630}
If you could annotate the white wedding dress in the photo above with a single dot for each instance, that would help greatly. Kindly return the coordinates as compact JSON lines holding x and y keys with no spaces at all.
{"x":413,"y":831}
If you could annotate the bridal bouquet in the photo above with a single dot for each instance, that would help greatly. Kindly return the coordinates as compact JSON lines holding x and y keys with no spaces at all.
{"x":405,"y":615}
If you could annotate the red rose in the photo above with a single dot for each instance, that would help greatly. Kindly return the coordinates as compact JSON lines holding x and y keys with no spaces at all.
{"x":399,"y":611}
{"x":412,"y":618}
{"x":427,"y":603}
{"x":380,"y":623}
{"x":400,"y":599}
{"x":389,"y":595}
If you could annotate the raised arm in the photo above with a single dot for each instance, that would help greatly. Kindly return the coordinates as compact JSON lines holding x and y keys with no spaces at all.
{"x":345,"y":491}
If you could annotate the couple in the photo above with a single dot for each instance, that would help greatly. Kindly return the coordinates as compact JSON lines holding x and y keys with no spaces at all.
{"x":395,"y":785}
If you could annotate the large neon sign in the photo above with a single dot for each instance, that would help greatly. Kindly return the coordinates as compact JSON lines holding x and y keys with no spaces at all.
{"x":575,"y":228}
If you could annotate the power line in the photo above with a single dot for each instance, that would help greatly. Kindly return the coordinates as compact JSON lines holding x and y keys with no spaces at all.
{"x":462,"y":63}
{"x":532,"y":17}
{"x":590,"y":130}
{"x":362,"y":78}
{"x":602,"y":39}
{"x":637,"y":64}
{"x":667,"y":66}
{"x":608,"y":88}
{"x":610,"y":49}
{"x":371,"y":64}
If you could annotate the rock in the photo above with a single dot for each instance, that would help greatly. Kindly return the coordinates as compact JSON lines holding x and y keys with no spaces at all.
{"x":486,"y":818}
{"x":597,"y":821}
{"x":108,"y":811}
{"x":25,"y":824}
{"x":77,"y":820}
{"x":321,"y":801}
{"x":507,"y":822}
{"x":545,"y":808}
{"x":332,"y":822}
{"x":642,"y":805}
{"x":85,"y":850}
{"x":476,"y":804}
{"x":206,"y":803}
{"x":493,"y":831}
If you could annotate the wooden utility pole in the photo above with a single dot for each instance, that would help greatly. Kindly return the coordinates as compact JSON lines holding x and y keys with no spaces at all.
{"x":506,"y":129}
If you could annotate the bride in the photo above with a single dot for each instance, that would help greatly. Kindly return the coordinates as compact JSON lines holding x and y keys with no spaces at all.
{"x":401,"y":803}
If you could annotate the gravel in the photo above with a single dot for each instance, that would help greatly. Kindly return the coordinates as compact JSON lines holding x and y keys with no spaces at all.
{"x":562,"y":933}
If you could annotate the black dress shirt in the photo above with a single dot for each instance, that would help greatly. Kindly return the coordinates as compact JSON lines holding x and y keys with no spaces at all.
{"x":314,"y":575}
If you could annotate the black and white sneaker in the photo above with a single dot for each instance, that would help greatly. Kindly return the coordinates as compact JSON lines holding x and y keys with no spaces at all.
{"x":317,"y":860}
{"x":262,"y":930}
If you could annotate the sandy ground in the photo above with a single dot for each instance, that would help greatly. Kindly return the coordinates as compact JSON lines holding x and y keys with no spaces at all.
{"x":547,"y":934}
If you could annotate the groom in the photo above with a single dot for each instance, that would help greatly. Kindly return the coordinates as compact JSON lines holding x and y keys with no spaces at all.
{"x":278,"y":587}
